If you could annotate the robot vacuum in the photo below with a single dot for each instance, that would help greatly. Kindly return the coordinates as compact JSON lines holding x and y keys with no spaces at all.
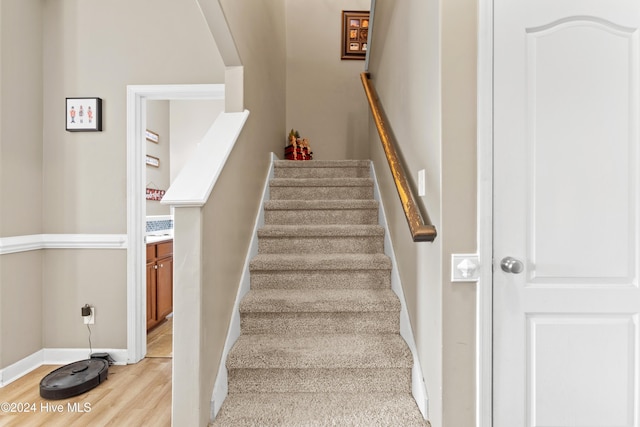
{"x":74,"y":379}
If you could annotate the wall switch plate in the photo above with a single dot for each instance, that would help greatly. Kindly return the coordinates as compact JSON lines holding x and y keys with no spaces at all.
{"x":90,"y":319}
{"x":465,"y":267}
{"x":421,"y":183}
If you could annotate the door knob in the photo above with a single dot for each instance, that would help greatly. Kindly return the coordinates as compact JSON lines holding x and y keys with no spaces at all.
{"x":511,"y":265}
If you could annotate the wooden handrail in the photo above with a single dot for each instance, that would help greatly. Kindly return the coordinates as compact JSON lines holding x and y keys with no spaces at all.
{"x":421,"y":231}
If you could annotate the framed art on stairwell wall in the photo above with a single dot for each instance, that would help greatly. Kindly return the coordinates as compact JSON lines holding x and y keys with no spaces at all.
{"x":355,"y":34}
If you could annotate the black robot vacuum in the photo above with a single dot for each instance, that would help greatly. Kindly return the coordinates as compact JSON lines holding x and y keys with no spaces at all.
{"x":74,"y":379}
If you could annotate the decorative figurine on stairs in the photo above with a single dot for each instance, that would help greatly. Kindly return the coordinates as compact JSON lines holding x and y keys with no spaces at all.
{"x":298,"y":148}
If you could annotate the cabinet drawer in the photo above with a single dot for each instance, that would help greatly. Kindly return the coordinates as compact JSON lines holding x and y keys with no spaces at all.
{"x":164,"y":249}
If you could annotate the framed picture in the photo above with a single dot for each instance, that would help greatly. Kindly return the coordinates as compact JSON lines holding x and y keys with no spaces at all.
{"x":355,"y":32}
{"x":152,"y":136}
{"x":83,"y":114}
{"x":155,"y":194}
{"x":153,"y":161}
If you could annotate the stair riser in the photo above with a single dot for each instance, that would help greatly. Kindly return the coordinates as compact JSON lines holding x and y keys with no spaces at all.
{"x":321,"y":217}
{"x":362,"y":279}
{"x":320,"y":323}
{"x":321,"y":193}
{"x":324,"y":245}
{"x":355,"y":172}
{"x":345,"y":380}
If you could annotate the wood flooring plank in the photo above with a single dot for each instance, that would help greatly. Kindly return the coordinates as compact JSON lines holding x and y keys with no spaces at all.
{"x":133,"y":395}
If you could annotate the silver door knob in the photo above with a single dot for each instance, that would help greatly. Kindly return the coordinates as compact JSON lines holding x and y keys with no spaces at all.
{"x":511,"y":265}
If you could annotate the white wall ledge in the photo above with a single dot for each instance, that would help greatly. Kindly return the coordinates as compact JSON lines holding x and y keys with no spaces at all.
{"x":193,"y":185}
{"x":34,"y":242}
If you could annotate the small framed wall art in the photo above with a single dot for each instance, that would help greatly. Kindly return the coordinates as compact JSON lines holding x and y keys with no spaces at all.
{"x":355,"y":34}
{"x":152,"y":161}
{"x":83,"y":114}
{"x":152,"y":136}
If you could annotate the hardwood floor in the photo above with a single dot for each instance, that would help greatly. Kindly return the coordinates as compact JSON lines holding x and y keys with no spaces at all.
{"x":132,"y":395}
{"x":160,"y":340}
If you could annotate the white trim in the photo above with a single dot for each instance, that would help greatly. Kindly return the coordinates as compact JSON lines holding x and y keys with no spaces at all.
{"x":21,"y":367}
{"x":484,"y":319}
{"x":34,"y":242}
{"x":137,"y":95}
{"x":159,"y":218}
{"x":418,"y":387}
{"x":221,"y":386}
{"x":54,"y":356}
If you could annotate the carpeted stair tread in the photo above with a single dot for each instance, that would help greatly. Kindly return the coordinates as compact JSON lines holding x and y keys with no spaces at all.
{"x":320,"y":410}
{"x":311,"y":262}
{"x":327,"y":211}
{"x":328,"y":230}
{"x":320,"y":204}
{"x":331,"y":351}
{"x":320,"y":279}
{"x":319,"y":301}
{"x":322,"y":169}
{"x":322,"y":164}
{"x":321,"y":182}
{"x":320,"y":341}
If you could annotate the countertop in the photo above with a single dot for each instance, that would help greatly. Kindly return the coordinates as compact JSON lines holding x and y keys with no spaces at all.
{"x":155,"y":238}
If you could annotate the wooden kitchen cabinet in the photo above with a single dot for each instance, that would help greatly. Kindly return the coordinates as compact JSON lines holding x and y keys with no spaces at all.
{"x":159,"y":282}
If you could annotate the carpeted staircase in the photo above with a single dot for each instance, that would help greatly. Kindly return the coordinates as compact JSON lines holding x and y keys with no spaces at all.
{"x":320,"y":342}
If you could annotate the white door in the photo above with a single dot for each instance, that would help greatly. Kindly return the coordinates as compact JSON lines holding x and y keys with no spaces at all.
{"x":566,"y":163}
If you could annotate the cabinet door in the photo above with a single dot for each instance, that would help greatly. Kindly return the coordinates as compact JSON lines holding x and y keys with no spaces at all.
{"x":151,"y":295}
{"x":164,"y":287}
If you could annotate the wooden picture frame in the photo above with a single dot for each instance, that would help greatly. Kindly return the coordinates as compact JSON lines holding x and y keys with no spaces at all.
{"x":152,"y":161}
{"x":83,"y":114}
{"x":152,"y":136}
{"x":355,"y":34}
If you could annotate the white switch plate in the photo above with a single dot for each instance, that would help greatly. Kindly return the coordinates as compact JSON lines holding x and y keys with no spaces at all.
{"x":421,"y":183}
{"x":465,"y":267}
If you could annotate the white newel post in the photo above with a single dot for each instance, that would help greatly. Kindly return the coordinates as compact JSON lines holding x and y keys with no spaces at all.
{"x":187,"y":309}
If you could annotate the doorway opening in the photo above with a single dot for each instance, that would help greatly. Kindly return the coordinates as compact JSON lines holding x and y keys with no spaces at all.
{"x":137,"y":97}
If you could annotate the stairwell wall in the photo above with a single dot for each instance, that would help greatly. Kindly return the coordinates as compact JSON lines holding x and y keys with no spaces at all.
{"x":228,"y":217}
{"x":423,"y":67}
{"x":324,"y":93}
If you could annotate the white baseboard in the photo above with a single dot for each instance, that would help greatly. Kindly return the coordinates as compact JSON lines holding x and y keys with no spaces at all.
{"x":221,"y":386}
{"x":21,"y":368}
{"x":418,"y":387}
{"x":54,"y":356}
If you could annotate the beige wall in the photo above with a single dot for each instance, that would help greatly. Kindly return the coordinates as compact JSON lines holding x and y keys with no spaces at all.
{"x":93,"y":48}
{"x":158,"y":121}
{"x":230,"y":213}
{"x":21,"y":95}
{"x":75,"y":182}
{"x":21,"y":306}
{"x":75,"y":277}
{"x":325,"y":101}
{"x":190,"y":121}
{"x":430,"y":101}
{"x":459,"y":214}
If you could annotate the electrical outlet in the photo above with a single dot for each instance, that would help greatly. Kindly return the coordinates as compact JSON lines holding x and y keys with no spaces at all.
{"x":90,"y":319}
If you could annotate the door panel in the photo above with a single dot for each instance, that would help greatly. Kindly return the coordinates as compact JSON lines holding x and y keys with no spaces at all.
{"x":566,"y":122}
{"x":573,"y":118}
{"x":562,"y":348}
